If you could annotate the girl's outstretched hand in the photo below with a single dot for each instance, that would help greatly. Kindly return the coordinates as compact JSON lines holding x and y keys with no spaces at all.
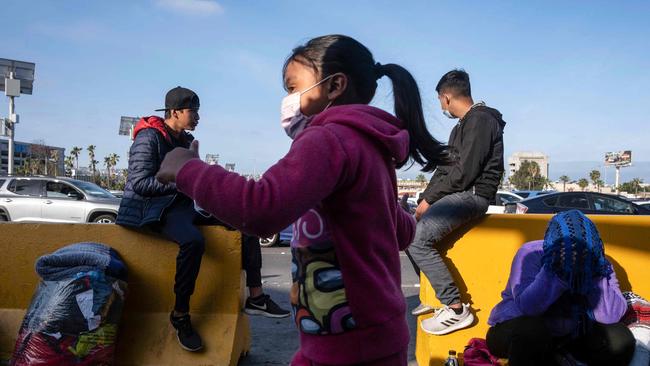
{"x":174,"y":161}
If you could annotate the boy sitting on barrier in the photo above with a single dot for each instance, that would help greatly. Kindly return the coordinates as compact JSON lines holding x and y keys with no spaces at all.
{"x":562,"y":296}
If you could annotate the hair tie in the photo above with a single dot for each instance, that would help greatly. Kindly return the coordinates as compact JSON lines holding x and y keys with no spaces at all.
{"x":379,"y":70}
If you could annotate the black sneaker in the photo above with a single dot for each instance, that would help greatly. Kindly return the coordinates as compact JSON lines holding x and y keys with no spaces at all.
{"x":263,"y":305}
{"x":187,"y":337}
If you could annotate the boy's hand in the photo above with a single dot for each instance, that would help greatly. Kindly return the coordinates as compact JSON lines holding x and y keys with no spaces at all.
{"x":174,"y":161}
{"x":422,"y":208}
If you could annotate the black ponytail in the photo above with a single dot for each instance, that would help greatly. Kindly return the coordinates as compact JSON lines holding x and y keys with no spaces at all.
{"x":424,"y":149}
{"x":331,"y":54}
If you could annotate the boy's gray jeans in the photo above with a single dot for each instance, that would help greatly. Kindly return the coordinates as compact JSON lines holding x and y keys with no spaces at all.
{"x":441,"y":219}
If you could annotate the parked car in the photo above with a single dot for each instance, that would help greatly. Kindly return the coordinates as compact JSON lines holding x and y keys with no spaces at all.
{"x":645,"y":204}
{"x":118,"y":194}
{"x":531,"y":194}
{"x":47,"y":199}
{"x":587,"y":202}
{"x":284,"y":236}
{"x":503,"y":197}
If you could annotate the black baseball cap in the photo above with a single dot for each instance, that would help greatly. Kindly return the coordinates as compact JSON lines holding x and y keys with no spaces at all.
{"x":180,"y":98}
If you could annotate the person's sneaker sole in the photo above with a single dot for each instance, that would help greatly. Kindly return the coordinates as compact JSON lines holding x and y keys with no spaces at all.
{"x":452,"y":328}
{"x":425,"y":310}
{"x":264,"y":313}
{"x":187,"y":348}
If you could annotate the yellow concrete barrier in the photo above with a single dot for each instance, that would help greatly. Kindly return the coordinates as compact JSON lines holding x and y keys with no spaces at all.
{"x":145,"y":335}
{"x":480,"y":262}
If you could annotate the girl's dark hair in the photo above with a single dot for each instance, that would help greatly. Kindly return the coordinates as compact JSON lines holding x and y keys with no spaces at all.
{"x":335,"y":53}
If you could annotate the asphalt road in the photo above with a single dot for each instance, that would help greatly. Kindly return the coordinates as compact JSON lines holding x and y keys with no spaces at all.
{"x":276,"y":340}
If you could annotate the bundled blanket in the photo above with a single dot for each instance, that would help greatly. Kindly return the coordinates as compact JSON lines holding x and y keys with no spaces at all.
{"x":74,"y":315}
{"x":81,"y":257}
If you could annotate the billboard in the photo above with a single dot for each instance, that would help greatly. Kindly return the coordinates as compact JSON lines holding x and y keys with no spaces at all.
{"x":618,"y":158}
{"x":127,"y":124}
{"x":24,"y":71}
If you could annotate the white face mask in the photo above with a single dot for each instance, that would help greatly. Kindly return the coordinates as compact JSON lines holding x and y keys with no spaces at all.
{"x":291,"y":118}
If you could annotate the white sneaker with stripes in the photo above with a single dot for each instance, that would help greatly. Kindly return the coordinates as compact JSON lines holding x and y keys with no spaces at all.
{"x":422,"y":309}
{"x":445,"y":320}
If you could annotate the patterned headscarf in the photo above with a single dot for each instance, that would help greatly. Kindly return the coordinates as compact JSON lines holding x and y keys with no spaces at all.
{"x":574,"y":251}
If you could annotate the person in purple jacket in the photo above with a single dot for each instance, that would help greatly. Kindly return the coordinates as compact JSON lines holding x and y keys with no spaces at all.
{"x":338,"y":185}
{"x":562,"y":297}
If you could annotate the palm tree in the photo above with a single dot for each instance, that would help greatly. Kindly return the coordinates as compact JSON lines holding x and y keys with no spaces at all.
{"x":583,"y":183}
{"x":594,"y":175}
{"x":91,"y":156}
{"x":54,"y":155}
{"x":69,"y":163}
{"x":564,"y":179}
{"x":107,"y":162}
{"x":533,"y":171}
{"x":548,"y":183}
{"x":636,"y":184}
{"x":114,"y":159}
{"x":75,"y":153}
{"x":111,"y":161}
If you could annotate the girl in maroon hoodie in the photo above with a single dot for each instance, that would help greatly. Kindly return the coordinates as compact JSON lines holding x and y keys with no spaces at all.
{"x":337,"y":184}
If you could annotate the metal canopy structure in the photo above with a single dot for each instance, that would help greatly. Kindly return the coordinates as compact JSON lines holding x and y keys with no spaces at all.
{"x":23,"y":71}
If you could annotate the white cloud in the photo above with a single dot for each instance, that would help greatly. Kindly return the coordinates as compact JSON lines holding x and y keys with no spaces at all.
{"x":84,"y":30}
{"x":192,"y":7}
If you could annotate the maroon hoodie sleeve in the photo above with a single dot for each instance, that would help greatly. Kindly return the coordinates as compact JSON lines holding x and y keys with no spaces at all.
{"x":405,"y":228}
{"x":309,"y":173}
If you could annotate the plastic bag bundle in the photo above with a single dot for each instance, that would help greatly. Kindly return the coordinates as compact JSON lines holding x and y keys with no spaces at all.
{"x":73,"y":317}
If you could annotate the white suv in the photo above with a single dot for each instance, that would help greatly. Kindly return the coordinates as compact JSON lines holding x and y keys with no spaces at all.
{"x":47,"y":199}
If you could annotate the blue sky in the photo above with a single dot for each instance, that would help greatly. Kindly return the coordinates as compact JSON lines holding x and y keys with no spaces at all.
{"x":571,"y":78}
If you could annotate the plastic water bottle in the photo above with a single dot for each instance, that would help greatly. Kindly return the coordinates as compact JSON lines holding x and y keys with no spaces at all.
{"x":452,"y":360}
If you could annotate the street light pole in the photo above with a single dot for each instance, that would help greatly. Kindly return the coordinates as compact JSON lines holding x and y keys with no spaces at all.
{"x":16,"y":77}
{"x":10,"y":131}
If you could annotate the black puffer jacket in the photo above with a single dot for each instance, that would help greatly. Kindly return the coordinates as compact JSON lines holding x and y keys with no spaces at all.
{"x":145,"y":199}
{"x":476,"y":154}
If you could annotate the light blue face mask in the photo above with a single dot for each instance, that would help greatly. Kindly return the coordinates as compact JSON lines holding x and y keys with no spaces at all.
{"x":447,"y":114}
{"x":291,"y":118}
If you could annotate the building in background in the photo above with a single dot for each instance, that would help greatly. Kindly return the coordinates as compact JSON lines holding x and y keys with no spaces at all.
{"x":212,"y":159}
{"x":34,"y":151}
{"x":411,"y":187}
{"x":515,"y":160}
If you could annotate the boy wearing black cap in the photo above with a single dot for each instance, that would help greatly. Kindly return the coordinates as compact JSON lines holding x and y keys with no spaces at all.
{"x":147,"y":202}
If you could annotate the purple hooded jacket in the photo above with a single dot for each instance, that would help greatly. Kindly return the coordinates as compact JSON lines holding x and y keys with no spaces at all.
{"x":534,"y":291}
{"x":343,"y":167}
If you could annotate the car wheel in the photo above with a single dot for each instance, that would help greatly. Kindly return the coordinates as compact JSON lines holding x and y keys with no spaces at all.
{"x":269,"y":242}
{"x":104,"y":219}
{"x":3,"y":217}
